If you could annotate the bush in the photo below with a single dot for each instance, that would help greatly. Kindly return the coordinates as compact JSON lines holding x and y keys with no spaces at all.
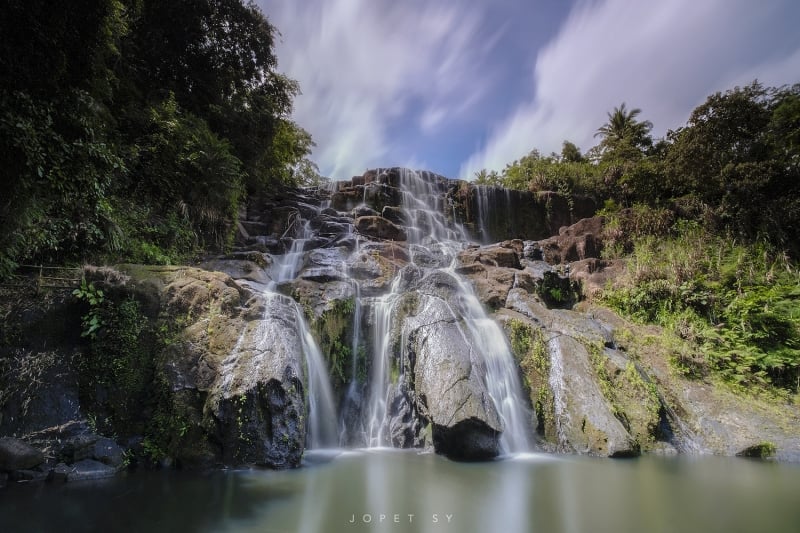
{"x":739,"y":305}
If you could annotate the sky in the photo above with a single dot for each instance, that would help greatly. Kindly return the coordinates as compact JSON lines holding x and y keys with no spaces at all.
{"x":456,"y":86}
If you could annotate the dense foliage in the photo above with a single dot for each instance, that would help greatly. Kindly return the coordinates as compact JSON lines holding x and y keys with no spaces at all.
{"x":136,"y":127}
{"x":708,"y":220}
{"x":734,"y":166}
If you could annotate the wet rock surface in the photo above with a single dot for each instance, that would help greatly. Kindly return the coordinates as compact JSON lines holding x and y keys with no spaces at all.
{"x":230,"y":385}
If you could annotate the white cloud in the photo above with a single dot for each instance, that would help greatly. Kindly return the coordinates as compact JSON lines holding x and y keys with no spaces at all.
{"x":663,"y":57}
{"x":365,"y":66}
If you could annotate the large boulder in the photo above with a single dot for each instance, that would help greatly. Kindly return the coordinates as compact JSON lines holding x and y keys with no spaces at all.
{"x":595,"y":275}
{"x":577,"y":242}
{"x":592,"y":398}
{"x":494,"y":255}
{"x":449,"y":385}
{"x":256,"y":400}
{"x":16,"y":454}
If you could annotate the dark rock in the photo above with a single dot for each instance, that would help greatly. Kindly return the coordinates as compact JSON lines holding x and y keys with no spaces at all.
{"x":347,"y":199}
{"x":108,"y":452}
{"x":496,"y":213}
{"x":59,"y":473}
{"x":441,"y":285}
{"x":532,"y":251}
{"x":449,"y":386}
{"x":364,"y":211}
{"x":377,"y":195}
{"x":405,"y":426}
{"x":348,"y":241}
{"x":257,"y":399}
{"x":253,"y":228}
{"x":429,"y":258}
{"x":394,"y":214}
{"x":380,"y":228}
{"x":16,"y":454}
{"x":467,"y":440}
{"x":79,"y":446}
{"x":580,"y":241}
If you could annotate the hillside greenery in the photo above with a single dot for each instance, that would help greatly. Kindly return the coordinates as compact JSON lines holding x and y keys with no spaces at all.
{"x":708,"y":221}
{"x":134,"y":129}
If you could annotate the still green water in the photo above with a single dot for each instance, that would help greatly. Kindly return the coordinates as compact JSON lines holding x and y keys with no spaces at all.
{"x":392,"y":491}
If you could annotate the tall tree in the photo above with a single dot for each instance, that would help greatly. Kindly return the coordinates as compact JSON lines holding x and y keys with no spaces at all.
{"x":624,"y":135}
{"x":570,"y":153}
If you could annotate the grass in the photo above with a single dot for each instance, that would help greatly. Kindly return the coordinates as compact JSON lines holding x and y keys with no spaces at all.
{"x":736,"y":306}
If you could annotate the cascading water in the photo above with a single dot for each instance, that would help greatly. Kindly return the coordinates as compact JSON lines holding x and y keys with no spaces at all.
{"x":482,"y":193}
{"x":321,"y":407}
{"x":380,"y":378}
{"x":556,"y":382}
{"x":429,"y":232}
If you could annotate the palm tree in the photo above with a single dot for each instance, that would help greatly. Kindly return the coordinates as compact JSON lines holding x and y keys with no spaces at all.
{"x":622,"y":126}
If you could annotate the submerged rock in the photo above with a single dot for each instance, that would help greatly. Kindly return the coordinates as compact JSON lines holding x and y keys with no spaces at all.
{"x":87,"y":470}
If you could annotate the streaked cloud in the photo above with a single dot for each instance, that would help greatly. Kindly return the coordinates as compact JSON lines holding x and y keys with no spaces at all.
{"x":371,"y":69}
{"x":663,"y":57}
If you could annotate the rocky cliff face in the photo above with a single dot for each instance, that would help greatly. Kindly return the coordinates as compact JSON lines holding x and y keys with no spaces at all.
{"x":363,"y":314}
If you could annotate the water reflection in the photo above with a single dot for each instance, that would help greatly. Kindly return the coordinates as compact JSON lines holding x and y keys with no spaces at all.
{"x":393,"y":491}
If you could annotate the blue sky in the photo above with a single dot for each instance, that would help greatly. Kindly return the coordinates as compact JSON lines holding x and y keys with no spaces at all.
{"x":454,"y":86}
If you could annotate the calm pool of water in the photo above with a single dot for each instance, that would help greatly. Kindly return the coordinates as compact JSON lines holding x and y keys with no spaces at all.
{"x":393,"y":491}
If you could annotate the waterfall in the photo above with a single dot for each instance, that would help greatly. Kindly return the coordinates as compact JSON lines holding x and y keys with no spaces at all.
{"x":321,"y":415}
{"x":428,"y":230}
{"x":556,"y":382}
{"x":482,"y":194}
{"x":380,"y":378}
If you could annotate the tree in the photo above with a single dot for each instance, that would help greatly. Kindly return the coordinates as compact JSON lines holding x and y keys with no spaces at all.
{"x":486,"y":177}
{"x":738,"y":155}
{"x":623,"y":135}
{"x":123,"y":131}
{"x":571,"y":153}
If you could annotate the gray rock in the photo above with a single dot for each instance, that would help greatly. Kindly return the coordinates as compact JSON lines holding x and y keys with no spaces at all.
{"x":585,"y":420}
{"x":257,"y":398}
{"x":59,"y":473}
{"x":108,"y":452}
{"x":238,"y":269}
{"x":449,"y":386}
{"x":89,"y":469}
{"x":16,"y":454}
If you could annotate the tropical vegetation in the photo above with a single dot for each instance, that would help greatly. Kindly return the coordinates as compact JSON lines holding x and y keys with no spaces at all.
{"x":707,"y":220}
{"x":126,"y":133}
